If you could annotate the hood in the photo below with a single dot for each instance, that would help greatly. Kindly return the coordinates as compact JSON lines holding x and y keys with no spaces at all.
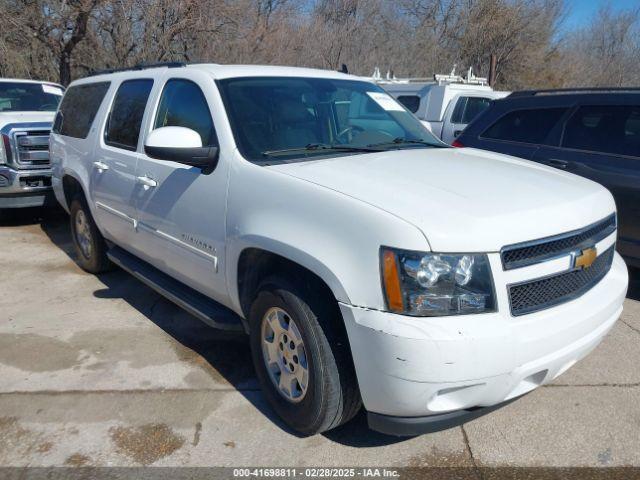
{"x":25,"y":117}
{"x":463,"y":199}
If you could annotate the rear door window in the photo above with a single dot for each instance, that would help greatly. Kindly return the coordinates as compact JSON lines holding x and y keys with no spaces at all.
{"x":525,"y":126}
{"x":78,"y":109}
{"x":613,"y":129}
{"x":184,"y":105}
{"x":123,"y":126}
{"x":412,"y":102}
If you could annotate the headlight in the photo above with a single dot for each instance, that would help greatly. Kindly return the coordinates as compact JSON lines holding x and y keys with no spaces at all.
{"x":3,"y":155}
{"x":5,"y":148}
{"x":436,"y":284}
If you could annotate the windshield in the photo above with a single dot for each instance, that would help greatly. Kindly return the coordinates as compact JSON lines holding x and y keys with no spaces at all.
{"x":280,"y":119}
{"x":29,"y":97}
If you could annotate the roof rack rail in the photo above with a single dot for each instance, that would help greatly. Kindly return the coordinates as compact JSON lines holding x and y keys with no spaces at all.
{"x":437,"y":79}
{"x":140,"y":66}
{"x":568,"y":91}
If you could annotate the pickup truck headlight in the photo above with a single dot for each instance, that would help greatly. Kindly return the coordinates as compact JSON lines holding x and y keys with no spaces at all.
{"x":3,"y":155}
{"x":436,"y":284}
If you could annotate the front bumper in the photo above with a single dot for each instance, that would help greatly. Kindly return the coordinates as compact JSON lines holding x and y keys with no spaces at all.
{"x":412,"y":426}
{"x":420,"y":367}
{"x":25,"y":188}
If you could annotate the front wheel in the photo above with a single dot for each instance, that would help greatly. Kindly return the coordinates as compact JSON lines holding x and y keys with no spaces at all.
{"x":302,"y":357}
{"x":90,"y":246}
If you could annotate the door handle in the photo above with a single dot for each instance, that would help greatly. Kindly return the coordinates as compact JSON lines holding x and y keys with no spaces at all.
{"x":147,"y":182}
{"x":457,"y":133}
{"x":100,"y":166}
{"x":554,"y":162}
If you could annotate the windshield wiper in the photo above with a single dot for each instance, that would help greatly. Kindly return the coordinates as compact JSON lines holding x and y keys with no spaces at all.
{"x":407,"y":141}
{"x":322,"y":147}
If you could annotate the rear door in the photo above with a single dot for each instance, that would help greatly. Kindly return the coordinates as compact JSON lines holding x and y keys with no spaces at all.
{"x":114,"y":164}
{"x":602,"y":142}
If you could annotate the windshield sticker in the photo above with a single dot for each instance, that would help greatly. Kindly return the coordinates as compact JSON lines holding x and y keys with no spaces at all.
{"x":51,"y":89}
{"x":385,"y":101}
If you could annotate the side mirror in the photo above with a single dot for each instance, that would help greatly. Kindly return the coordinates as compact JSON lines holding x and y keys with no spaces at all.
{"x":181,"y":145}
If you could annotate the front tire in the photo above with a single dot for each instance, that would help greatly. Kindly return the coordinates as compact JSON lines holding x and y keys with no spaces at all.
{"x":302,"y":357}
{"x":90,"y":246}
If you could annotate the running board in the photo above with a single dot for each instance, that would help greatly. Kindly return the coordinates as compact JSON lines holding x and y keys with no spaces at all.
{"x":209,"y":311}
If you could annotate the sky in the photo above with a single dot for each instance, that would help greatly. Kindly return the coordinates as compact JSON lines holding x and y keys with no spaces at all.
{"x":580,"y":12}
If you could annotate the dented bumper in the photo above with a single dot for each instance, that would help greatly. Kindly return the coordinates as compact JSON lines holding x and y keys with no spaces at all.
{"x":419,"y":366}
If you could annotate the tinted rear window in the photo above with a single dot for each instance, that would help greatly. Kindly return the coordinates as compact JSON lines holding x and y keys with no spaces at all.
{"x":78,"y":109}
{"x":613,"y":129}
{"x":526,"y":126}
{"x":123,"y":127}
{"x":412,"y":102}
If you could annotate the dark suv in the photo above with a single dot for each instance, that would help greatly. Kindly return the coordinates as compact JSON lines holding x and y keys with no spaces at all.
{"x":594,"y":133}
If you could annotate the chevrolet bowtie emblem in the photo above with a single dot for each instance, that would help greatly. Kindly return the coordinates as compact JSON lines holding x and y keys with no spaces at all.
{"x":584,"y":258}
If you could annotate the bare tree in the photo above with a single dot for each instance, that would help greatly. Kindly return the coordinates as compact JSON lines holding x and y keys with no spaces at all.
{"x":59,"y":26}
{"x":65,"y":39}
{"x":606,"y":52}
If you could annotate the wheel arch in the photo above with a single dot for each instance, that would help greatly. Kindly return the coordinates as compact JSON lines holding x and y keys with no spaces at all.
{"x":71,"y":186}
{"x":257,"y":261}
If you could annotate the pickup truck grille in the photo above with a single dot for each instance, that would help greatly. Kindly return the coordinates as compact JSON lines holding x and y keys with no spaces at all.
{"x":32,"y":148}
{"x":542,"y":293}
{"x":537,"y":251}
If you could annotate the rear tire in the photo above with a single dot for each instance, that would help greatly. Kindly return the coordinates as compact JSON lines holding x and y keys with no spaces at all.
{"x":308,"y":337}
{"x":90,"y":246}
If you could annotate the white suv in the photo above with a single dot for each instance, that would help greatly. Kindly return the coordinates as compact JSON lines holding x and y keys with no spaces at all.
{"x":369,"y":262}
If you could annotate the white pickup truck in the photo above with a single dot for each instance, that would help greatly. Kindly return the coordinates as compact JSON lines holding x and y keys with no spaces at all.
{"x":370,"y":263}
{"x":445,"y":105}
{"x":27,"y":108}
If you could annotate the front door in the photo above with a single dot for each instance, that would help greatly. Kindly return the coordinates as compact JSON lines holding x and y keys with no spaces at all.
{"x":181,"y":210}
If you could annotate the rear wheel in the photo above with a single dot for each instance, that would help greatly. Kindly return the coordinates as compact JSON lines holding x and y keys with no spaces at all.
{"x":302,"y":357}
{"x":90,"y":246}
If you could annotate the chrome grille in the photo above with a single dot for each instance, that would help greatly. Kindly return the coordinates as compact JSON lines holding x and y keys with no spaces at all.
{"x":32,"y":148}
{"x":536,"y":251}
{"x":532,"y":296}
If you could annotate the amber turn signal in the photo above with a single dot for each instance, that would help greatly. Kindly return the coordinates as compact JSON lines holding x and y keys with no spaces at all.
{"x":391,"y":281}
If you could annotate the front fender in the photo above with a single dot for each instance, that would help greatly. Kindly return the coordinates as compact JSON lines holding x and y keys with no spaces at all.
{"x":286,"y":250}
{"x":331,"y":234}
